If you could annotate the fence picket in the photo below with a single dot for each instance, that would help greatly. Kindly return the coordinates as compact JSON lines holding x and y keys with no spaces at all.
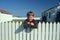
{"x":10,"y":30}
{"x":39,"y":31}
{"x":13,"y":31}
{"x":35,"y":34}
{"x":43,"y":31}
{"x":17,"y":35}
{"x":3,"y":32}
{"x":24,"y":34}
{"x":32,"y":34}
{"x":28,"y":33}
{"x":0,"y":31}
{"x":54,"y":31}
{"x":21,"y":33}
{"x":47,"y":26}
{"x":58,"y":31}
{"x":50,"y":31}
{"x":6,"y":27}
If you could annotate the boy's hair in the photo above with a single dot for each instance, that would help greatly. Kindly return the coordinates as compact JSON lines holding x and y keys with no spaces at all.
{"x":30,"y":13}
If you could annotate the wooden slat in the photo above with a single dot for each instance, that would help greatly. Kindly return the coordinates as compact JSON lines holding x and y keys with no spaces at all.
{"x":24,"y":34}
{"x":0,"y":31}
{"x":43,"y":31}
{"x":32,"y":34}
{"x":6,"y":30}
{"x":35,"y":34}
{"x":28,"y":33}
{"x":13,"y":30}
{"x":10,"y":31}
{"x":47,"y":27}
{"x":54,"y":31}
{"x":50,"y":35}
{"x":21,"y":33}
{"x":17,"y":35}
{"x":39,"y":31}
{"x":58,"y":31}
{"x":3,"y":32}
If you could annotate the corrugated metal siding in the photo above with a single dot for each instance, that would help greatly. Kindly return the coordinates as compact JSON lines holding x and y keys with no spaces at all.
{"x":15,"y":31}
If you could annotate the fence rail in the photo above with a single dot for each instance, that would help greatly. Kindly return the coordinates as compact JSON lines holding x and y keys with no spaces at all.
{"x":15,"y":31}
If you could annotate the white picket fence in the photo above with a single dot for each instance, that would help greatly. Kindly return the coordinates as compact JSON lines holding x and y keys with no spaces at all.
{"x":15,"y":31}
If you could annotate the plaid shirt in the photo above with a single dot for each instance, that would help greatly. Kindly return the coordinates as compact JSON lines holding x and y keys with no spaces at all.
{"x":25,"y":24}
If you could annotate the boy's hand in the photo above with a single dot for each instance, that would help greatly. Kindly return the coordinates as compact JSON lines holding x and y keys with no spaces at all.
{"x":32,"y":23}
{"x":28,"y":22}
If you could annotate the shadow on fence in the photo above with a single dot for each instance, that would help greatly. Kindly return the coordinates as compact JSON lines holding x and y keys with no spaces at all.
{"x":21,"y":28}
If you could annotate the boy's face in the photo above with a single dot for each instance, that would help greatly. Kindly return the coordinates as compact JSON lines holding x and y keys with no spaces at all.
{"x":30,"y":18}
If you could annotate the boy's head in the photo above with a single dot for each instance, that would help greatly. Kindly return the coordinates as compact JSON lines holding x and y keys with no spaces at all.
{"x":30,"y":15}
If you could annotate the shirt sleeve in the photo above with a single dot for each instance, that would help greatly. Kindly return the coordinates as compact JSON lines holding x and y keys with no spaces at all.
{"x":35,"y":24}
{"x":25,"y":24}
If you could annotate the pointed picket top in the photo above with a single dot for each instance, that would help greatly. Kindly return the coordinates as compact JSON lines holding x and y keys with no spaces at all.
{"x":20,"y":22}
{"x":54,"y":23}
{"x":51,"y":23}
{"x":58,"y":23}
{"x":39,"y":23}
{"x":47,"y":23}
{"x":43,"y":24}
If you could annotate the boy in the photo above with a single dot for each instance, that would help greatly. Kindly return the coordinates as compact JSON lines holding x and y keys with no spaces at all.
{"x":30,"y":22}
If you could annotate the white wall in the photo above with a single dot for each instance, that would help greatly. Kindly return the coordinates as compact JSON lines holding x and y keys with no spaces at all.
{"x":5,"y":17}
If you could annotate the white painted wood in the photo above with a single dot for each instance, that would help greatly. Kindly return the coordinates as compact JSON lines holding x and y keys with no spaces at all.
{"x":0,"y":31}
{"x":47,"y":26}
{"x":17,"y":35}
{"x":35,"y":33}
{"x":21,"y":33}
{"x":24,"y":34}
{"x":39,"y":31}
{"x":28,"y":33}
{"x":13,"y":31}
{"x":10,"y":31}
{"x":32,"y":34}
{"x":3,"y":35}
{"x":50,"y":35}
{"x":6,"y":27}
{"x":43,"y":31}
{"x":58,"y":31}
{"x":54,"y":31}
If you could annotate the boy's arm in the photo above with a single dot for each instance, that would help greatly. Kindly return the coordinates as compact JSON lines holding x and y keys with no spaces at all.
{"x":26,"y":24}
{"x":34,"y":24}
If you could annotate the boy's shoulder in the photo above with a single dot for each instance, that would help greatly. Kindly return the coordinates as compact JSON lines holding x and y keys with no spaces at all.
{"x":32,"y":20}
{"x":28,"y":20}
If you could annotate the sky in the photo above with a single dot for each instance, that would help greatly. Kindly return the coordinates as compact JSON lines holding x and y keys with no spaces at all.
{"x":21,"y":7}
